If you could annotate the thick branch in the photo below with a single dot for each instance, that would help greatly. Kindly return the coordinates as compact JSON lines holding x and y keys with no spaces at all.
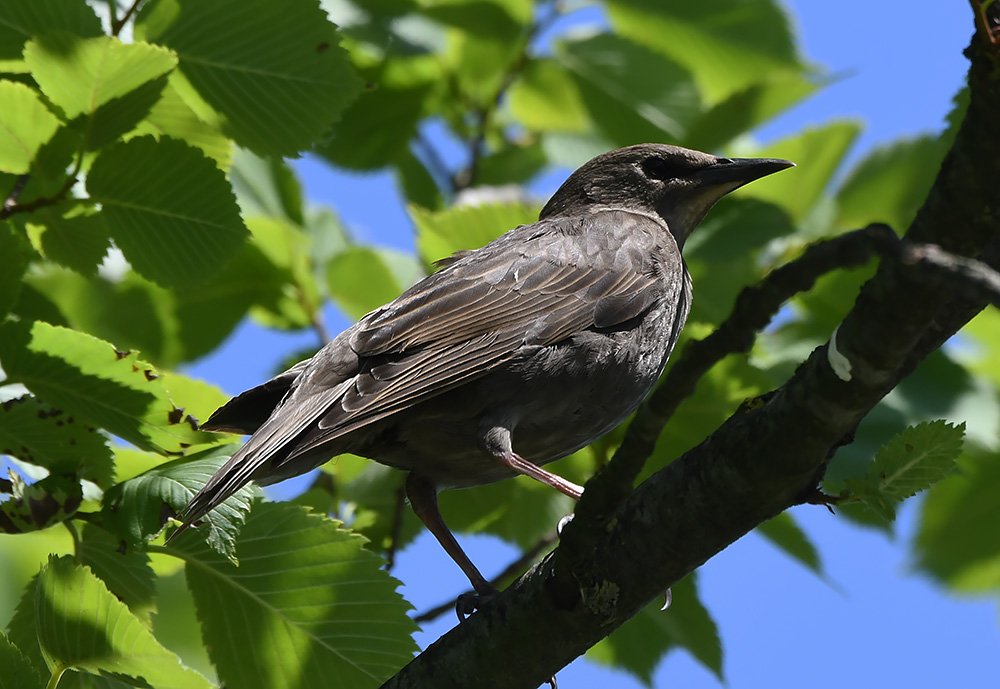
{"x":761,"y":461}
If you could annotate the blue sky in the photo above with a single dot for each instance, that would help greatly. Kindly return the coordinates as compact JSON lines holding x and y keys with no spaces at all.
{"x":872,"y":621}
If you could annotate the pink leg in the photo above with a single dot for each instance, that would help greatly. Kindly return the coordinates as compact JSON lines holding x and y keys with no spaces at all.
{"x":523,"y":466}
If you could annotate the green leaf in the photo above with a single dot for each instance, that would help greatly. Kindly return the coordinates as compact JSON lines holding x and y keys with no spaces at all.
{"x":23,"y":19}
{"x":14,"y":257}
{"x":112,"y":84}
{"x":138,"y":509}
{"x":743,"y":110}
{"x":545,"y":98}
{"x":125,"y":571}
{"x":800,"y":189}
{"x":244,"y":56}
{"x":956,"y":542}
{"x":360,"y":281}
{"x":632,"y":94}
{"x":70,"y":234}
{"x":639,"y":644}
{"x":25,"y":124}
{"x":480,"y":17}
{"x":313,"y":604}
{"x":890,"y":184}
{"x":170,"y":116}
{"x":442,"y":233}
{"x":392,"y":112}
{"x":513,"y":164}
{"x":727,"y":44}
{"x":18,"y":672}
{"x":39,"y":434}
{"x":81,"y":625}
{"x":784,"y":532}
{"x":265,"y":186}
{"x":97,"y":384}
{"x":912,"y":461}
{"x":168,"y":208}
{"x":416,"y":182}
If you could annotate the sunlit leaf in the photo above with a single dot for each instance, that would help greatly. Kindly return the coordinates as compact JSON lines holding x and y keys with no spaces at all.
{"x":313,"y":604}
{"x":440,"y":234}
{"x":81,"y":625}
{"x":25,"y":124}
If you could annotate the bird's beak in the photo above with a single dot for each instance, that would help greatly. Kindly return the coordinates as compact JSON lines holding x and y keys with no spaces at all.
{"x":732,"y":173}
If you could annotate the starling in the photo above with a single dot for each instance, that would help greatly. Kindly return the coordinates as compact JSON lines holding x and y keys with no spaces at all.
{"x":508,"y":357}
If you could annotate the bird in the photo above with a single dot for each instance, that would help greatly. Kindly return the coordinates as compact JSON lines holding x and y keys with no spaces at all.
{"x":506,"y":358}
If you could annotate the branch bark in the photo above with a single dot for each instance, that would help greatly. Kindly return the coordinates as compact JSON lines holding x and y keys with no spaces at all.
{"x":769,"y":456}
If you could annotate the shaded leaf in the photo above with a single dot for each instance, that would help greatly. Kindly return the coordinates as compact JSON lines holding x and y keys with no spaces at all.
{"x":172,"y":117}
{"x":784,"y":532}
{"x":41,"y":504}
{"x":545,"y":97}
{"x":890,"y":184}
{"x":169,"y":209}
{"x":18,"y":672}
{"x":81,"y":625}
{"x":244,"y":56}
{"x":14,"y":256}
{"x":125,"y":571}
{"x":70,"y":234}
{"x":416,"y":182}
{"x":313,"y":604}
{"x":799,"y":189}
{"x":640,"y":644}
{"x":25,"y":124}
{"x":633,"y":94}
{"x":360,"y":281}
{"x":727,"y":44}
{"x":442,"y":233}
{"x":138,"y":509}
{"x":23,"y":19}
{"x":265,"y":186}
{"x":956,"y":542}
{"x":39,"y":434}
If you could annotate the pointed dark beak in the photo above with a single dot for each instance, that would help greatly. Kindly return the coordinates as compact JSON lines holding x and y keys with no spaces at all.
{"x":735,"y":172}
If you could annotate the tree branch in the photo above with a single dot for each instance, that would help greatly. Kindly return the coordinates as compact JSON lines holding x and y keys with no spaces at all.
{"x":764,"y":459}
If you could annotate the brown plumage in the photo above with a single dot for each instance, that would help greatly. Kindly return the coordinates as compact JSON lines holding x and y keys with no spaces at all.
{"x":508,"y":357}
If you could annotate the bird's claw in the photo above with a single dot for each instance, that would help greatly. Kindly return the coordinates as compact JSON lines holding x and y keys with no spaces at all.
{"x":468,"y":603}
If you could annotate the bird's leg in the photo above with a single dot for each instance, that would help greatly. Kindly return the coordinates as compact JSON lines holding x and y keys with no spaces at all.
{"x":523,"y":466}
{"x":423,"y":499}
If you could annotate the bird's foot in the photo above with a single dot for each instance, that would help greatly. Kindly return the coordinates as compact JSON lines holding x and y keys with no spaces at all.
{"x":468,"y":603}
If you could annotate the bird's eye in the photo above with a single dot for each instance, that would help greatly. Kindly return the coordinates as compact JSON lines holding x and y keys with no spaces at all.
{"x":656,"y":167}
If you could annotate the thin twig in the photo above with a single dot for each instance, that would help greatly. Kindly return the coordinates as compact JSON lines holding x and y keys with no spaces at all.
{"x":485,"y":112}
{"x":509,"y":571}
{"x":14,"y":194}
{"x":12,"y":207}
{"x":117,"y":26}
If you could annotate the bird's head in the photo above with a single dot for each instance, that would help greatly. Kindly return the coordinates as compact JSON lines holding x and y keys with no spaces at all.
{"x":678,"y":184}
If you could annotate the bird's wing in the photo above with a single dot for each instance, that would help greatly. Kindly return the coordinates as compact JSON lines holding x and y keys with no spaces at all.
{"x":533,"y":287}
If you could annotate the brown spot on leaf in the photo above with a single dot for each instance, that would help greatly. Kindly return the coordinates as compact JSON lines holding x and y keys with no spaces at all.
{"x":192,"y":422}
{"x":322,"y":47}
{"x":121,"y":354}
{"x":175,"y":415}
{"x":150,"y":375}
{"x":122,"y":547}
{"x":72,"y":441}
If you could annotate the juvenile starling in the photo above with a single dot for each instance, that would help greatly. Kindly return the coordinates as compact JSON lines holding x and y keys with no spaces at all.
{"x":509,"y":356}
